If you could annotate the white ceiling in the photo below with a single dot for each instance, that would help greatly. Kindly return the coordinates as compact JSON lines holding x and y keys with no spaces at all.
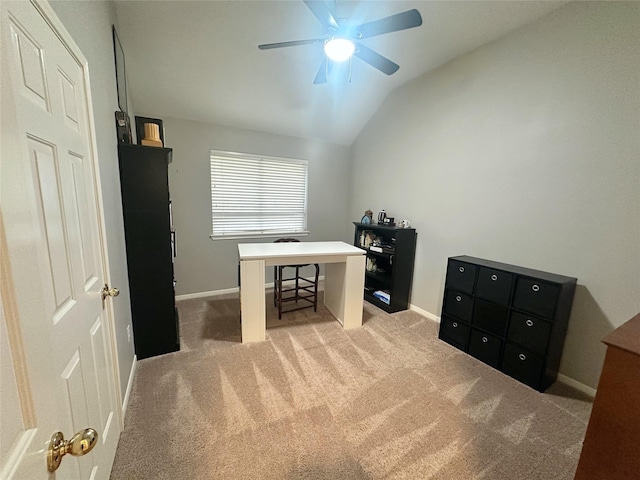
{"x":199,"y":60}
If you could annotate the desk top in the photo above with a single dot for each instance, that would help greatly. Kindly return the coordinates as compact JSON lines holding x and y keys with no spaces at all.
{"x":261,"y":251}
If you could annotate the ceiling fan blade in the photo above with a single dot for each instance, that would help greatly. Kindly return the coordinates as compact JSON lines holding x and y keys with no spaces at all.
{"x":325,"y":69}
{"x":399,"y":21}
{"x":321,"y":76}
{"x":376,"y":60}
{"x":294,"y":43}
{"x":322,"y":13}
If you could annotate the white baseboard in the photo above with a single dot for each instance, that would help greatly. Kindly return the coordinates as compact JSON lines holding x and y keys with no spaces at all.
{"x":216,"y":293}
{"x":127,"y":393}
{"x":211,"y":293}
{"x":577,"y":385}
{"x":424,"y":313}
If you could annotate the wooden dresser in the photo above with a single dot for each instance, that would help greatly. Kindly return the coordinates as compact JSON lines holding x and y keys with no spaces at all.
{"x":611,"y":448}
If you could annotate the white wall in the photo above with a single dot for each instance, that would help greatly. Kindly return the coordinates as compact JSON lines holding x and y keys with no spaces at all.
{"x":202,"y":264}
{"x":89,"y":23}
{"x":525,"y":151}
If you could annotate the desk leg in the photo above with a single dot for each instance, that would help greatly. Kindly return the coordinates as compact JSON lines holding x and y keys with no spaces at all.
{"x":252,"y":301}
{"x":344,"y":290}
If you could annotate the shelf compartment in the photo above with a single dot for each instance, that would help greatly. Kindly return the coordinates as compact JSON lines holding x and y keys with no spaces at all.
{"x":368,"y":295}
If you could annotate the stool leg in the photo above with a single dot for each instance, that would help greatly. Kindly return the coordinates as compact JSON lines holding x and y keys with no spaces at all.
{"x":297,"y":283}
{"x":315,"y":289}
{"x":279,"y":293}
{"x":275,"y":286}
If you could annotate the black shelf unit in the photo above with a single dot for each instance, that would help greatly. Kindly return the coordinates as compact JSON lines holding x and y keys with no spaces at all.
{"x":511,"y":318}
{"x":149,"y":238}
{"x":396,"y":260}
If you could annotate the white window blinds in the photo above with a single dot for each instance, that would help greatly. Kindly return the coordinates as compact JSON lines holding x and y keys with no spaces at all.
{"x":257,"y":195}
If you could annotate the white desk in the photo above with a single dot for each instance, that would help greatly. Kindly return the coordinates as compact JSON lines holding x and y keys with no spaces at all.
{"x":343,"y":280}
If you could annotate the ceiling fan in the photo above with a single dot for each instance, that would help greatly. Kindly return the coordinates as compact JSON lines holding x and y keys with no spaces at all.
{"x":341,"y":40}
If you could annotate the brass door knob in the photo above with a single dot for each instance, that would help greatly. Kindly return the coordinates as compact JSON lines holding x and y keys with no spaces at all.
{"x":80,"y":444}
{"x":109,"y":292}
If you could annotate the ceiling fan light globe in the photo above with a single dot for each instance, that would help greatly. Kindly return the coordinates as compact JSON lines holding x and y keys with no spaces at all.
{"x":339,"y":49}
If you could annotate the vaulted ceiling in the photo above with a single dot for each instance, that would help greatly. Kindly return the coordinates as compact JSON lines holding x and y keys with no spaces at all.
{"x":199,"y":60}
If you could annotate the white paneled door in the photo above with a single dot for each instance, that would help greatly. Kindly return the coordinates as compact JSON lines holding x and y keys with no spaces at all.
{"x":58,"y":362}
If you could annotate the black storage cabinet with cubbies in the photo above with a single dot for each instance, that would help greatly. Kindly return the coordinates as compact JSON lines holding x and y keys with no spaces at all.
{"x":511,"y":318}
{"x":394,"y":264}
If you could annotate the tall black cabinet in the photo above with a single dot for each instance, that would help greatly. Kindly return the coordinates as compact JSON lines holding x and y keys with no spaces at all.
{"x":146,"y":204}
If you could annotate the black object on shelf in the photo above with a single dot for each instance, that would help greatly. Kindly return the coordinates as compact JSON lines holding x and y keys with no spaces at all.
{"x":512,"y":318}
{"x":392,"y":250}
{"x":144,"y":184}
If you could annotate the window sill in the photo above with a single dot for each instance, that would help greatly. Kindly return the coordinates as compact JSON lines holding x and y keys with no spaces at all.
{"x":258,"y":235}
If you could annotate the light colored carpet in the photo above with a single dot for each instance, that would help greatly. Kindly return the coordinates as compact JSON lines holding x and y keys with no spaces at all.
{"x":385,"y":401}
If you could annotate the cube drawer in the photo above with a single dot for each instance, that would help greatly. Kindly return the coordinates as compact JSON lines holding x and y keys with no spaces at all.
{"x":485,"y":347}
{"x":459,"y":305}
{"x":461,"y":276}
{"x":454,"y":332}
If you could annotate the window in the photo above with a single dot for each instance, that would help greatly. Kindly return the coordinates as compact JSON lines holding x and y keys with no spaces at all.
{"x":255,"y":195}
